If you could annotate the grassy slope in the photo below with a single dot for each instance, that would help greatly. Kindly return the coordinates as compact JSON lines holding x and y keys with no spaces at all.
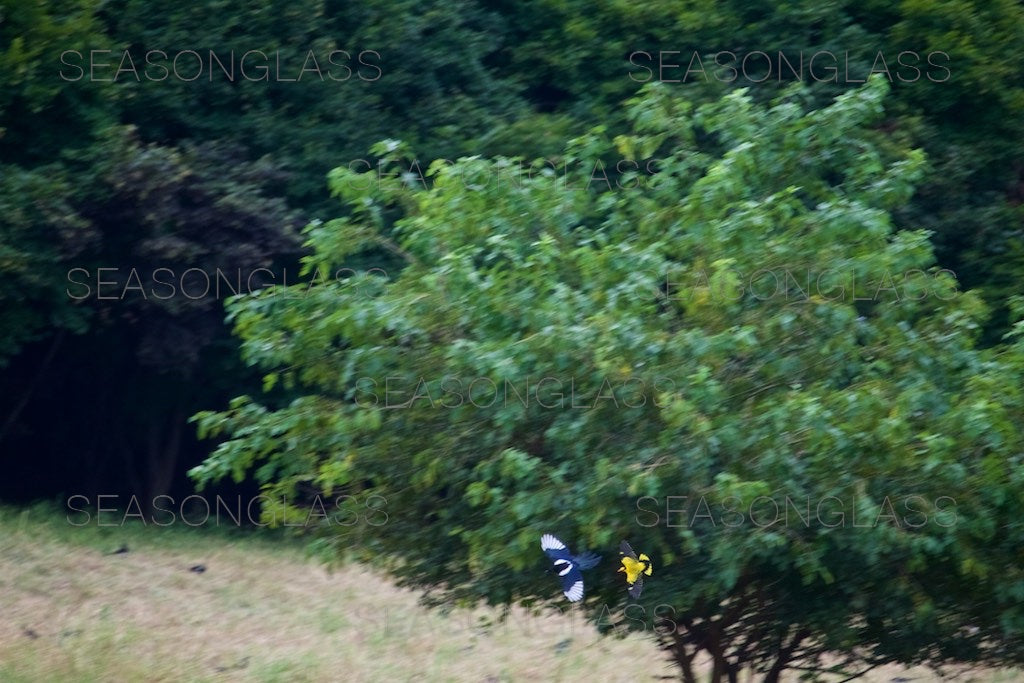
{"x":262,"y":611}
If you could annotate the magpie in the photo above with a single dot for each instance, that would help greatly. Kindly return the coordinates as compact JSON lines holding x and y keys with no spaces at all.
{"x":635,"y":567}
{"x":568,"y":565}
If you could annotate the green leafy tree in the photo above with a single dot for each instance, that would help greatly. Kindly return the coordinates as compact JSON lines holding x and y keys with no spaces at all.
{"x":965,"y":112}
{"x":202,"y":228}
{"x":449,"y":78}
{"x":40,"y":115}
{"x":40,"y":225}
{"x":381,"y":68}
{"x":562,"y":357}
{"x":184,"y":192}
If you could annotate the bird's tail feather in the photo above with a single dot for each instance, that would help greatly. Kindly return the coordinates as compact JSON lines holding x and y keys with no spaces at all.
{"x":587,"y":560}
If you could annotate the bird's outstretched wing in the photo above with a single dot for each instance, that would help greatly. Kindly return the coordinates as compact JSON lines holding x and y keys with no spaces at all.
{"x":554,"y":548}
{"x":566,"y":565}
{"x":572,"y":583}
{"x":626,"y":549}
{"x":634,"y":590}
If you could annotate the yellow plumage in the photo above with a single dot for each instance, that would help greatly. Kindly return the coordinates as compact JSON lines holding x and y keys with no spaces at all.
{"x":634,"y":566}
{"x":633,"y":569}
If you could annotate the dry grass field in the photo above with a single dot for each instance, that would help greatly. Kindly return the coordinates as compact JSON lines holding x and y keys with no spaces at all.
{"x":73,"y":610}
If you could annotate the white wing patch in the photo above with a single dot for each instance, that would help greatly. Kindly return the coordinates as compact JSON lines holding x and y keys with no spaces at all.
{"x":549,"y":542}
{"x":575,"y":592}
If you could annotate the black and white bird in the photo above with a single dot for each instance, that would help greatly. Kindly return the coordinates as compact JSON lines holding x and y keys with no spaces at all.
{"x":568,"y":566}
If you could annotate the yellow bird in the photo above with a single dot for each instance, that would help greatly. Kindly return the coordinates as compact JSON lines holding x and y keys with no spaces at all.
{"x":635,"y":567}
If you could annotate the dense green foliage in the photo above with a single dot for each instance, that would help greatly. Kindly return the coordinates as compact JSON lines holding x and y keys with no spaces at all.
{"x":208,"y":174}
{"x":529,"y":371}
{"x":649,"y":274}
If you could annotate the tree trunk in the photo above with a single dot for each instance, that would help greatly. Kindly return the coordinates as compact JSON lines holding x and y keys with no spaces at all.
{"x":162,"y":455}
{"x":785,"y":655}
{"x":124,"y":447}
{"x":719,"y":666}
{"x":15,"y":413}
{"x":682,"y":658}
